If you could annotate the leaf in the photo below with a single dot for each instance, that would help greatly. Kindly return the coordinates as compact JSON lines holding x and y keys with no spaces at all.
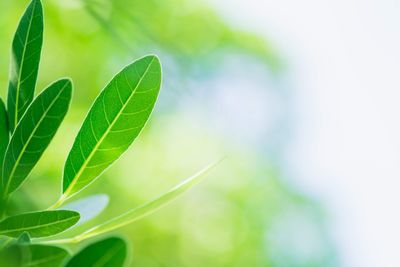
{"x":39,"y":224}
{"x":34,"y":133}
{"x":32,"y":255}
{"x":88,"y":207}
{"x":24,"y":238}
{"x":4,"y":134}
{"x":110,"y":252}
{"x":144,"y":210}
{"x":46,"y":256}
{"x":25,"y":58}
{"x":114,"y":121}
{"x":13,"y":256}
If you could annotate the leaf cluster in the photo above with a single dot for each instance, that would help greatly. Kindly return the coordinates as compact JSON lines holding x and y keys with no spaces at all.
{"x":28,"y":124}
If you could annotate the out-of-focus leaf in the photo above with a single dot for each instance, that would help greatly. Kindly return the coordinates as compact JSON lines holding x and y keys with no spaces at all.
{"x":88,"y":207}
{"x":110,"y":252}
{"x":46,"y":256}
{"x":26,"y":48}
{"x":4,"y":134}
{"x":32,"y":255}
{"x":114,"y":121}
{"x":34,"y":133}
{"x":148,"y":208}
{"x":13,"y":256}
{"x":24,"y":238}
{"x":39,"y":224}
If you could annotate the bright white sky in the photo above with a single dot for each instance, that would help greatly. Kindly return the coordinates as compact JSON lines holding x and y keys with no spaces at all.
{"x":345,"y":68}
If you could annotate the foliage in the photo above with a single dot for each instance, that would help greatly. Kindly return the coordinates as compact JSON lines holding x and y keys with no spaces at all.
{"x":29,"y":124}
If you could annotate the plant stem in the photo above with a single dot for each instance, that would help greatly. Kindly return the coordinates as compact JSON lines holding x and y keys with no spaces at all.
{"x":59,"y":202}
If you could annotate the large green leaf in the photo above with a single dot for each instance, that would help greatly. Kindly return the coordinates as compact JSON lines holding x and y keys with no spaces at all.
{"x":4,"y":135}
{"x":25,"y":57}
{"x":32,"y":255}
{"x":110,"y":252}
{"x":34,"y":133}
{"x":39,"y":224}
{"x":114,"y":121}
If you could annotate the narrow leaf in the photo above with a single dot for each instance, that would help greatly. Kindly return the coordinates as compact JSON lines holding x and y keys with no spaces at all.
{"x":110,"y":252}
{"x":26,"y":49}
{"x":4,"y":134}
{"x":147,"y":209}
{"x":39,"y":224}
{"x":88,"y":207}
{"x":34,"y":133}
{"x":114,"y":121}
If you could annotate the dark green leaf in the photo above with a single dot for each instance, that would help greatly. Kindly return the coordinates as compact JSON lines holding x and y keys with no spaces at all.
{"x":110,"y":252}
{"x":39,"y":224}
{"x":34,"y":133}
{"x":4,"y":134}
{"x":114,"y":121}
{"x":14,"y":256}
{"x":26,"y":48}
{"x":24,"y":238}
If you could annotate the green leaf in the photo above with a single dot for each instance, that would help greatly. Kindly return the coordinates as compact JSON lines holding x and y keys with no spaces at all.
{"x":4,"y":134}
{"x":39,"y":224}
{"x":114,"y":121}
{"x":88,"y":207}
{"x":46,"y":256}
{"x":144,"y":210}
{"x":25,"y":58}
{"x":34,"y":133}
{"x":32,"y":255}
{"x":24,"y":238}
{"x":110,"y":252}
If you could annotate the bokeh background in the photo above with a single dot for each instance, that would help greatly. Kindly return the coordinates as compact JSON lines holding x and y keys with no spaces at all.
{"x":301,"y":97}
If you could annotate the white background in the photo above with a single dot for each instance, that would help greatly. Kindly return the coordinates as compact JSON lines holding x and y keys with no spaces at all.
{"x":344,"y":63}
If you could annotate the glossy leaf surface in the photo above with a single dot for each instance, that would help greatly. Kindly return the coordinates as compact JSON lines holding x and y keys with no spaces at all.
{"x":25,"y":57}
{"x":114,"y":121}
{"x":34,"y":133}
{"x":39,"y":224}
{"x":110,"y":252}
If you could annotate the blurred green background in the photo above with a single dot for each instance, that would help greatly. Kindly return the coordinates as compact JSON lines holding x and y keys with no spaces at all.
{"x":223,"y":94}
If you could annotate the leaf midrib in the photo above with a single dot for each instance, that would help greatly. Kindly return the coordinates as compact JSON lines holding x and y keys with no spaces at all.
{"x":29,"y":139}
{"x":87,"y":160}
{"x":39,"y":226}
{"x":22,"y":65}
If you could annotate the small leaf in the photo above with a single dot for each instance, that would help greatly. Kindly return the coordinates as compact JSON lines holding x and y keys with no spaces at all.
{"x":146,"y":209}
{"x":39,"y":224}
{"x":110,"y":252}
{"x":114,"y":121}
{"x":4,"y":134}
{"x":24,"y":238}
{"x":88,"y":207}
{"x":26,"y":49}
{"x":34,"y":133}
{"x":46,"y":256}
